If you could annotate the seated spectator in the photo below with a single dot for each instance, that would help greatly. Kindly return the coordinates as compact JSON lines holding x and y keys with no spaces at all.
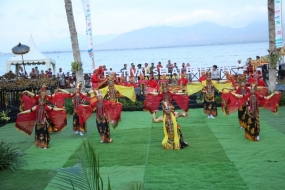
{"x":123,"y":81}
{"x":152,"y":82}
{"x":203,"y":77}
{"x":183,"y":80}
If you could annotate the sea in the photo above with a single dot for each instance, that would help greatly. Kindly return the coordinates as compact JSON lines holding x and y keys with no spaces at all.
{"x":197,"y":56}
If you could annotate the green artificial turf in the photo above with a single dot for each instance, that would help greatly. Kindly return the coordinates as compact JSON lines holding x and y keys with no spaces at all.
{"x":218,"y":156}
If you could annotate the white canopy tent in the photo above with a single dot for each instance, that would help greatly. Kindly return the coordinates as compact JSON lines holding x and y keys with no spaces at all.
{"x":33,"y":57}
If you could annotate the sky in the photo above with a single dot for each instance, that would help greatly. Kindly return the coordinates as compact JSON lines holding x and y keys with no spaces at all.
{"x":47,"y":21}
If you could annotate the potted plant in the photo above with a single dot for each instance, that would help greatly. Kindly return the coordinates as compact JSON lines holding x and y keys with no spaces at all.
{"x":4,"y":116}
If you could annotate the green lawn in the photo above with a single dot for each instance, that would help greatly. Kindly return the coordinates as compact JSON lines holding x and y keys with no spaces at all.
{"x":218,"y":156}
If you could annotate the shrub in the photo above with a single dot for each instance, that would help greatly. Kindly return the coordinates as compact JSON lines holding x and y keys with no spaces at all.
{"x":128,"y":105}
{"x":9,"y":156}
{"x":282,"y":100}
{"x":68,"y":104}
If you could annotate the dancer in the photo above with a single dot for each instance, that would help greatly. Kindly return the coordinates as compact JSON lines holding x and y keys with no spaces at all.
{"x":173,"y":138}
{"x":29,"y":100}
{"x":210,"y":107}
{"x":107,"y":113}
{"x":242,"y":90}
{"x":153,"y":99}
{"x":251,"y":121}
{"x":37,"y":117}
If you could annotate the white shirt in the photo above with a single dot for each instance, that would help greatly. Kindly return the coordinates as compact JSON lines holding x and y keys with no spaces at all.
{"x":240,"y":70}
{"x":216,"y":74}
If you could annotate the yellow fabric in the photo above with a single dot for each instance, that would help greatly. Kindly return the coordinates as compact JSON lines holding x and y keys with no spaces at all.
{"x":127,"y":91}
{"x":176,"y":138}
{"x":93,"y":98}
{"x":104,"y":91}
{"x":220,"y":86}
{"x":193,"y":88}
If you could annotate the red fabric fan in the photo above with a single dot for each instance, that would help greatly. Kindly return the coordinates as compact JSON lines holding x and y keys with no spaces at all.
{"x":182,"y":101}
{"x":113,"y":112}
{"x":27,"y":102}
{"x":151,"y":102}
{"x":84,"y":112}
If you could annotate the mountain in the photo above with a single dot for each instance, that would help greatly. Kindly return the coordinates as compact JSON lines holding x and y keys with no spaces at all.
{"x":204,"y":33}
{"x":64,"y":44}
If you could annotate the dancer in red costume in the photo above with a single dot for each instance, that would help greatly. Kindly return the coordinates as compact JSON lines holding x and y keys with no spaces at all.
{"x":37,"y":117}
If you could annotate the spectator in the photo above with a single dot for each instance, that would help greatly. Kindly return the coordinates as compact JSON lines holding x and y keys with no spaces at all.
{"x":169,"y":66}
{"x":203,"y":77}
{"x":240,"y":68}
{"x":37,"y":71}
{"x":146,"y":69}
{"x":139,"y":72}
{"x":49,"y":72}
{"x":159,"y":66}
{"x":215,"y":73}
{"x":132,"y":70}
{"x":152,"y":67}
{"x":264,"y":72}
{"x":124,"y":69}
{"x":33,"y":73}
{"x":21,"y":72}
{"x":61,"y":78}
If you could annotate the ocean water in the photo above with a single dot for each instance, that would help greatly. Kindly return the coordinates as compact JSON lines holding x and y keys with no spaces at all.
{"x":197,"y":56}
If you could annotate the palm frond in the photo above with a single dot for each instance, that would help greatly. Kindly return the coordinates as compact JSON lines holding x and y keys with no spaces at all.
{"x":84,"y":175}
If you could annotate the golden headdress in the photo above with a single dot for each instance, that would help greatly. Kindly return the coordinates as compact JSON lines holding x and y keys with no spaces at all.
{"x":43,"y":88}
{"x":79,"y":85}
{"x":98,"y":93}
{"x":209,"y":75}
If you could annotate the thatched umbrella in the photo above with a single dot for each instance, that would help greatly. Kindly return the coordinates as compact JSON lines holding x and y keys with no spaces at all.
{"x":21,"y":49}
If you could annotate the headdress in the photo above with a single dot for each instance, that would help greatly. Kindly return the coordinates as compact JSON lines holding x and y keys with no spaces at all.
{"x":166,"y":105}
{"x":241,"y":79}
{"x":43,"y":88}
{"x":253,"y":87}
{"x":209,"y":75}
{"x":79,"y":85}
{"x":98,"y":93}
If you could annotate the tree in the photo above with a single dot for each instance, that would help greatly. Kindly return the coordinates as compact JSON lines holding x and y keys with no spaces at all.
{"x":272,"y":47}
{"x":74,"y":40}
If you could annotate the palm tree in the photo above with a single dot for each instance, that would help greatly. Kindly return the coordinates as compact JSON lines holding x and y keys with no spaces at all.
{"x":272,"y":46}
{"x":74,"y":40}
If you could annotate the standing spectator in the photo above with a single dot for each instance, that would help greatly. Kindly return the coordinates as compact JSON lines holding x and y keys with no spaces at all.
{"x":33,"y":73}
{"x":133,"y":71}
{"x":152,"y":67}
{"x":189,"y":74}
{"x":183,"y":68}
{"x":21,"y":72}
{"x":146,"y":69}
{"x":49,"y":72}
{"x":37,"y":71}
{"x":139,"y":72}
{"x":264,"y":72}
{"x":169,"y":66}
{"x":61,"y":78}
{"x":159,"y":66}
{"x":124,"y":69}
{"x":215,"y":73}
{"x":240,"y":68}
